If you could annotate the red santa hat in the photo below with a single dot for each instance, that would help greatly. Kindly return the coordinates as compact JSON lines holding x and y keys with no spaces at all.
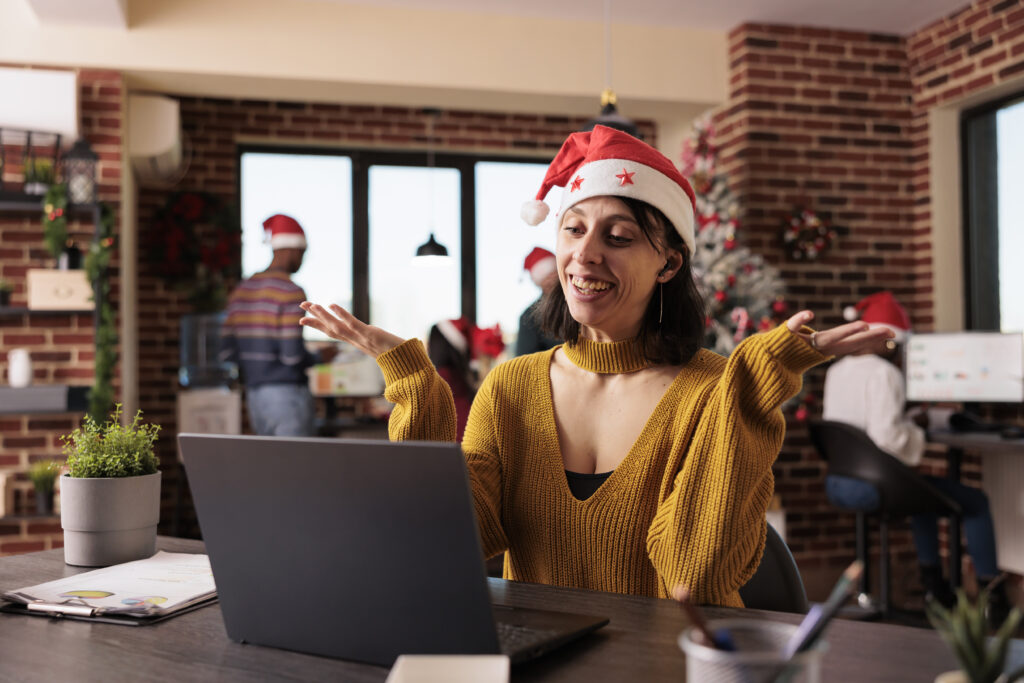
{"x":284,"y":232}
{"x":540,"y":263}
{"x":606,"y":161}
{"x":881,"y":310}
{"x":456,"y":332}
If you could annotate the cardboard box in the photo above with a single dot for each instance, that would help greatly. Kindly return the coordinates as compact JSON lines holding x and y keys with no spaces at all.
{"x":58,"y":290}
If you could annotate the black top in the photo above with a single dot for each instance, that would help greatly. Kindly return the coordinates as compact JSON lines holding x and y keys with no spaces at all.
{"x":530,"y":338}
{"x":582,"y":486}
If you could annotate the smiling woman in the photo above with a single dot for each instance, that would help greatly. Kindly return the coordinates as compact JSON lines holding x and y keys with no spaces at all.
{"x":627,"y":459}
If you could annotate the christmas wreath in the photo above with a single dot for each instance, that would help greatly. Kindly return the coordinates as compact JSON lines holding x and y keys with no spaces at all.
{"x":806,"y":236}
{"x":195,"y":240}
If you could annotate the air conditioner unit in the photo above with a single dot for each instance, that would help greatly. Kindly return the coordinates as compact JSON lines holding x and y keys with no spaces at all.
{"x":156,"y":144}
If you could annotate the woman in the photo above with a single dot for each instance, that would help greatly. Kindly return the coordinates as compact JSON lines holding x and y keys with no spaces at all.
{"x":677,"y":441}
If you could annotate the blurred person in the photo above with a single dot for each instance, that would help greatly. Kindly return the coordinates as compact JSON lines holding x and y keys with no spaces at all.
{"x":540,"y":264}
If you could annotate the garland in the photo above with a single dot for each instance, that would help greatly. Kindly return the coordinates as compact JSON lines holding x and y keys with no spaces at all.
{"x":55,"y":220}
{"x":97,"y":261}
{"x":196,"y":238}
{"x":805,"y":236}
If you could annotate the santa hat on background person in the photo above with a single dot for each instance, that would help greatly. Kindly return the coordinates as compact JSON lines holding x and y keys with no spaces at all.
{"x":881,"y":310}
{"x":540,"y":263}
{"x":605,"y":161}
{"x":456,"y":332}
{"x":284,"y":232}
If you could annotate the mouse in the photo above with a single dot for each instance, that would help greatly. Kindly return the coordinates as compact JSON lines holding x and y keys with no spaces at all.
{"x":1012,"y":432}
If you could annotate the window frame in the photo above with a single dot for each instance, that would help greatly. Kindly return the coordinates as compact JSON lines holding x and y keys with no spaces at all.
{"x":979,"y":188}
{"x":362,"y":159}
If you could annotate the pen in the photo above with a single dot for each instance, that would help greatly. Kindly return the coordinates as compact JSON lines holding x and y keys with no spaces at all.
{"x":818,"y":616}
{"x":720,"y":639}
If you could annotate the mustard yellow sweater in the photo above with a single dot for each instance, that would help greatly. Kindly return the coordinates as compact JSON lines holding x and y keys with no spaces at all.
{"x":686,"y":505}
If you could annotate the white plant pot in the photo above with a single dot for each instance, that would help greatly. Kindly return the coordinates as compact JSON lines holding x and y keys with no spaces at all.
{"x":109,"y":521}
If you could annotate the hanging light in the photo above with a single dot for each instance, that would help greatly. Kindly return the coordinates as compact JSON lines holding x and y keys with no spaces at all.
{"x":609,"y":115}
{"x":431,"y":250}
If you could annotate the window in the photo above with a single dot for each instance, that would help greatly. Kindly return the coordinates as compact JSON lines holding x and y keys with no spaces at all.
{"x":365,"y":212}
{"x":993,"y":148}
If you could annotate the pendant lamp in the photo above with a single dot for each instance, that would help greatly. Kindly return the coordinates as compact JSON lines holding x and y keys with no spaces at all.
{"x":431,"y":250}
{"x":609,"y":115}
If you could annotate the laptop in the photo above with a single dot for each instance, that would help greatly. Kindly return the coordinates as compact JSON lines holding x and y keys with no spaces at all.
{"x":356,"y":549}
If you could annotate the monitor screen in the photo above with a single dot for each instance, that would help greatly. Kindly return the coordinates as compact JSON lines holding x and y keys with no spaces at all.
{"x":966,"y":366}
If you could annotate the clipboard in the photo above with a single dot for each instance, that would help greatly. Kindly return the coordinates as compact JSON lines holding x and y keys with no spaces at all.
{"x":132,"y":594}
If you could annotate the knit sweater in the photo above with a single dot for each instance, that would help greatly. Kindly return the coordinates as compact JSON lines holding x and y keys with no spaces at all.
{"x":687,"y":503}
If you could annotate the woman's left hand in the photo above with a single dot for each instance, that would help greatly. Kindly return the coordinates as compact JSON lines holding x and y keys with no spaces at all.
{"x":854,"y":338}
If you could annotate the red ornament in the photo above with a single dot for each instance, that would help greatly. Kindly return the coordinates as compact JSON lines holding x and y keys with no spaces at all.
{"x":720,"y":296}
{"x":779,"y":306}
{"x":731,"y":280}
{"x":730,"y":244}
{"x":801,"y":414}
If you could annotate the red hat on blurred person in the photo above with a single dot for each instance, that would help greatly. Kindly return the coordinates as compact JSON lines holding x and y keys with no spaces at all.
{"x":606,"y":161}
{"x":284,"y":232}
{"x":881,"y":310}
{"x":540,"y":263}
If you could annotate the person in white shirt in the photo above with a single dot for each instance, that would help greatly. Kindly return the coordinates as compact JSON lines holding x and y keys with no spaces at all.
{"x":868,"y":392}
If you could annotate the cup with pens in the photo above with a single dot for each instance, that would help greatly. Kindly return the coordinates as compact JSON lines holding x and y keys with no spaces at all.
{"x":760,"y":650}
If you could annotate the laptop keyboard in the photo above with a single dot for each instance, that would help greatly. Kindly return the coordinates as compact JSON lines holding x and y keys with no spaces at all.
{"x":515,"y":637}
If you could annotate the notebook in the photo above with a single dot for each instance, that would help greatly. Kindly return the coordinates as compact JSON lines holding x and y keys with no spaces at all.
{"x":356,"y":549}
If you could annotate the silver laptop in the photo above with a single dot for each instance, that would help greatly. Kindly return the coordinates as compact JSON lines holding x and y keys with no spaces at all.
{"x":356,"y":549}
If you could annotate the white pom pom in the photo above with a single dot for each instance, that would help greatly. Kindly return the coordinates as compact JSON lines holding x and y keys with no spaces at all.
{"x":534,"y":212}
{"x":850,"y":313}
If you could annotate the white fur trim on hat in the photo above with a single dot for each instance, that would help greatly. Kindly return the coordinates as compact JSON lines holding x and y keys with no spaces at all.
{"x":452,"y":335}
{"x":850,"y":313}
{"x":541,"y":270}
{"x":899,"y":337}
{"x":288,"y":241}
{"x":625,"y":178}
{"x":534,"y":212}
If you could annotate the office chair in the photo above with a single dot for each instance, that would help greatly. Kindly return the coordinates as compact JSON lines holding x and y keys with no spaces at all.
{"x":850,"y":452}
{"x":776,"y":585}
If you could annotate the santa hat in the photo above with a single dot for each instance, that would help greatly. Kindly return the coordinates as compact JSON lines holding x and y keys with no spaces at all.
{"x":605,"y":161}
{"x":456,"y":332}
{"x":540,"y":263}
{"x":881,"y":310}
{"x":284,"y":232}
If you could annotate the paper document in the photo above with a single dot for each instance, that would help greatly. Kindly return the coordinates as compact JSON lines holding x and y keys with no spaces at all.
{"x":160,"y":584}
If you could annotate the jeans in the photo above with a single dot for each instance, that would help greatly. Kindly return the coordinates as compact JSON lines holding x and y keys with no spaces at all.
{"x":280,"y":409}
{"x":854,"y":494}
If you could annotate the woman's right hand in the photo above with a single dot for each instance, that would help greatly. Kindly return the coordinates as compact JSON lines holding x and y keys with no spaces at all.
{"x":337,"y":323}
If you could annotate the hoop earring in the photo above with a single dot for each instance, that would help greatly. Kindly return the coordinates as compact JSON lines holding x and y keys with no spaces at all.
{"x":661,"y":301}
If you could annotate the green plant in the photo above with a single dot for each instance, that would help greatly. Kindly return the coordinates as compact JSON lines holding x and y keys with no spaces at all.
{"x":39,"y":171}
{"x":6,"y":286}
{"x":43,"y":473}
{"x":964,"y":628}
{"x":111,"y":449}
{"x":55,"y":220}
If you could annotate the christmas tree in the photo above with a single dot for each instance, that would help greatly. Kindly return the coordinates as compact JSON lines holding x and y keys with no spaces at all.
{"x":742,"y":293}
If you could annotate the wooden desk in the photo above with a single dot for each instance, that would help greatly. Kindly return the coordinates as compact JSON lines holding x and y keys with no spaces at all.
{"x":639,"y":644}
{"x":1002,"y":478}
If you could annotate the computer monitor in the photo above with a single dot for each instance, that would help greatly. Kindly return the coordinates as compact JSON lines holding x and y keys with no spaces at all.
{"x":975,"y":367}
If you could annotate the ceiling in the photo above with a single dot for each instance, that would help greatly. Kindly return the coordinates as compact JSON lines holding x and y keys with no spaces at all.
{"x":885,"y":16}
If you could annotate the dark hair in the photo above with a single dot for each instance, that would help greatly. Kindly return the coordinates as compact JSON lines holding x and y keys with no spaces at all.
{"x":443,"y":355}
{"x":680,"y":334}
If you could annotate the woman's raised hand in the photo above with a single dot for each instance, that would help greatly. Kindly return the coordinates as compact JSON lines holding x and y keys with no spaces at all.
{"x":854,"y":338}
{"x":337,"y":323}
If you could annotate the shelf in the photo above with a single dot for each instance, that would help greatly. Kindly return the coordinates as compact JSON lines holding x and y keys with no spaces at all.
{"x":19,"y":201}
{"x":44,"y":398}
{"x":9,"y":311}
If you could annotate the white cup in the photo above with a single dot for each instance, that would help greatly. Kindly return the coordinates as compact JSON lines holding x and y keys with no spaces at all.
{"x":19,"y":368}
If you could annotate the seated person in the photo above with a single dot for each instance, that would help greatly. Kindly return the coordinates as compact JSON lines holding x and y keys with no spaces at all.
{"x":540,"y":264}
{"x":867,"y":392}
{"x":627,"y":459}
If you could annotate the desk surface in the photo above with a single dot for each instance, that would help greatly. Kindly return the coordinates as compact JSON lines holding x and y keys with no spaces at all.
{"x":639,"y":643}
{"x":987,"y":443}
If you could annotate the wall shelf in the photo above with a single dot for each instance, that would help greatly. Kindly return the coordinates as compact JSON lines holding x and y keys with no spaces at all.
{"x":10,"y":311}
{"x":44,"y":398}
{"x":20,"y":201}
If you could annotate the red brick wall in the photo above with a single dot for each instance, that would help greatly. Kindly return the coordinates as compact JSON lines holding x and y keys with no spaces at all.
{"x":820,"y":118}
{"x":61,"y":345}
{"x":215,"y":128}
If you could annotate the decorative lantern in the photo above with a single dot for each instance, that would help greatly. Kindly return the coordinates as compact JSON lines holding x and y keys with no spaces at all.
{"x":79,"y":170}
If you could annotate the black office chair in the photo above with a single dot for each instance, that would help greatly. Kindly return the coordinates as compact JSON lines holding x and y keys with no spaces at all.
{"x":850,"y":452}
{"x":776,"y":585}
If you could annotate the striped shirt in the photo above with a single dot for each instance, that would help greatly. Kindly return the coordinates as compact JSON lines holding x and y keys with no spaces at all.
{"x":261,"y":331}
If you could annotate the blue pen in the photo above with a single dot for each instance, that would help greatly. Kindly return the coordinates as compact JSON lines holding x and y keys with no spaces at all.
{"x":721,"y":639}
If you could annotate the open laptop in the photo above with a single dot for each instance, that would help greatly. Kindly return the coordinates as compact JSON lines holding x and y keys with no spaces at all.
{"x":355,"y":549}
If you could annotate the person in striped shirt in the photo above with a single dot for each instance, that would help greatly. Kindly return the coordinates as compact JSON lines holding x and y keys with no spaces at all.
{"x":261,"y":333}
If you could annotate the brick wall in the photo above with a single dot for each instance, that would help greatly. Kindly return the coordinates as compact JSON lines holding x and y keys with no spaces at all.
{"x":820,"y":118}
{"x":61,"y":345}
{"x":215,"y":128}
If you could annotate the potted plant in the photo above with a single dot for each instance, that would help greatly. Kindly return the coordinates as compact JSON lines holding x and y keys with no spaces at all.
{"x":43,"y":474}
{"x":6,"y":288}
{"x":110,"y":498}
{"x":38,"y":176}
{"x":964,"y":629}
